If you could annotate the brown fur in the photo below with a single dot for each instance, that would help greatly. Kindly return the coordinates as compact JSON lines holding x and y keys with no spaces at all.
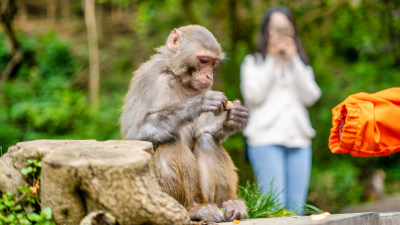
{"x":180,"y":175}
{"x":178,"y":172}
{"x":218,"y":167}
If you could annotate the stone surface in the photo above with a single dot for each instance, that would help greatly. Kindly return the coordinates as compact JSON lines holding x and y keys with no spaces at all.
{"x":335,"y":219}
{"x":392,"y":218}
{"x":369,"y":218}
{"x":388,"y":204}
{"x":80,"y":177}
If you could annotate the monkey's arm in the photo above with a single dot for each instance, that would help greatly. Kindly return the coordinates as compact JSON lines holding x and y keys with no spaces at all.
{"x":162,"y":124}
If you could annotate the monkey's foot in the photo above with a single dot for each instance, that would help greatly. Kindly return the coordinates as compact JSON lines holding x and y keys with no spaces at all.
{"x":234,"y":210}
{"x":207,"y":213}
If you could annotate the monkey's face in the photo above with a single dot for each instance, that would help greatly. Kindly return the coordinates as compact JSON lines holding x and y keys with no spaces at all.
{"x":203,"y":74}
{"x":193,"y":55}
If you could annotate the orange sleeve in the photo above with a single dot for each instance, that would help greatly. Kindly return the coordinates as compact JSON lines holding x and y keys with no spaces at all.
{"x":370,"y":124}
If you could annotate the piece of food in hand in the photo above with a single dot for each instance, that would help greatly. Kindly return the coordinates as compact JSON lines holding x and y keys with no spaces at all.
{"x":319,"y":217}
{"x":236,"y":221}
{"x":229,"y":103}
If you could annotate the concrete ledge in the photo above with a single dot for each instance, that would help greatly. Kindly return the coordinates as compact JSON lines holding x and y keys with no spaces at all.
{"x":392,"y":218}
{"x":367,"y":218}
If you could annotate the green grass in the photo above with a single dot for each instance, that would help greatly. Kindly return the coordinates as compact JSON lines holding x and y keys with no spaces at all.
{"x":262,"y":205}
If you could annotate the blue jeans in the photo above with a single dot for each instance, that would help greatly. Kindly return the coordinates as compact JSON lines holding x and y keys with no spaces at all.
{"x":287,"y":168}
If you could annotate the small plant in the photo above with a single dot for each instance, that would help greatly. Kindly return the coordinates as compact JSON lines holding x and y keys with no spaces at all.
{"x":13,"y":212}
{"x":261,"y":205}
{"x":310,"y":209}
{"x":32,"y":170}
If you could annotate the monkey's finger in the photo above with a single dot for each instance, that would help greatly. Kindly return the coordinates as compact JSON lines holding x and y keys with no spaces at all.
{"x":237,"y":102}
{"x":236,"y":113}
{"x":234,"y":125}
{"x":217,"y":94}
{"x":217,"y":103}
{"x":237,"y":216}
{"x":222,"y":105}
{"x":238,"y":122}
{"x":235,"y":105}
{"x":228,"y":215}
{"x":221,"y":102}
{"x":215,"y":109}
{"x":238,"y":116}
{"x":219,"y":107}
{"x":240,"y":108}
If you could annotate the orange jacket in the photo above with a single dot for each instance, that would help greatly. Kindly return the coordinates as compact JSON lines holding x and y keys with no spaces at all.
{"x":370,"y":124}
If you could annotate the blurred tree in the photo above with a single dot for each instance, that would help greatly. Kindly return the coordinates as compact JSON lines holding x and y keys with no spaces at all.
{"x":65,"y":8}
{"x":94,"y":73}
{"x":8,"y":10}
{"x":51,"y":11}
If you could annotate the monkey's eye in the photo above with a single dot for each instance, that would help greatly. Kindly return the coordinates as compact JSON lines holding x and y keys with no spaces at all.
{"x":204,"y":60}
{"x":215,"y":64}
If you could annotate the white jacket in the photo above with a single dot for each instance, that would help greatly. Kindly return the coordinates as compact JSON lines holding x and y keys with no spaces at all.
{"x":276,"y":97}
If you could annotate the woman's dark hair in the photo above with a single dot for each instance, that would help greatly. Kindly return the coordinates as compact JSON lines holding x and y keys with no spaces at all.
{"x":264,"y":36}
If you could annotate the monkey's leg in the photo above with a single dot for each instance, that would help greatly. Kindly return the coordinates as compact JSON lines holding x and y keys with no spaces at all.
{"x":177,"y":172}
{"x":218,"y":178}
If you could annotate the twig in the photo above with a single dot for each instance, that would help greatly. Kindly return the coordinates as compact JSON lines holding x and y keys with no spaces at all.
{"x":15,"y":60}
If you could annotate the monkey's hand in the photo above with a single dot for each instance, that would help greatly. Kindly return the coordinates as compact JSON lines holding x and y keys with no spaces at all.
{"x":213,"y":101}
{"x":234,"y":210}
{"x":207,"y":213}
{"x":236,"y":117}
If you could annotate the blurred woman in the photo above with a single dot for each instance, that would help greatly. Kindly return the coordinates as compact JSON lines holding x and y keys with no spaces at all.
{"x":277,"y":85}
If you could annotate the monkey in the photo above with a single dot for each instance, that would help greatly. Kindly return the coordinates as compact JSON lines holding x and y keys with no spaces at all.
{"x":170,"y":103}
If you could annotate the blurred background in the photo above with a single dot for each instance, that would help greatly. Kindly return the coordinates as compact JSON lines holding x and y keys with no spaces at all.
{"x":65,"y":66}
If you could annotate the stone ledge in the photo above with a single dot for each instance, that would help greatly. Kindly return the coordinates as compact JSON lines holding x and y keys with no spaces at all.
{"x":81,"y":177}
{"x":367,"y":218}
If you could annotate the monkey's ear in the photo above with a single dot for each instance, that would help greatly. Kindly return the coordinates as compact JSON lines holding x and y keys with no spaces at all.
{"x":174,"y":40}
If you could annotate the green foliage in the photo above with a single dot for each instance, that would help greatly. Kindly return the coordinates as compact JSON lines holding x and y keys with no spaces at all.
{"x":55,"y":58}
{"x":12,"y":213}
{"x":4,"y":57}
{"x":32,"y":170}
{"x":261,"y":205}
{"x":13,"y":209}
{"x":45,"y":217}
{"x":41,"y":102}
{"x":335,"y":187}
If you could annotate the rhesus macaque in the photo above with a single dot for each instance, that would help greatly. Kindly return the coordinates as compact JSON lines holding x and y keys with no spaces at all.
{"x":170,"y":103}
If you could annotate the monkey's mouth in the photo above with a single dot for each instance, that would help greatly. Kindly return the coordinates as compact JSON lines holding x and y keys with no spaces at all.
{"x":202,"y":84}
